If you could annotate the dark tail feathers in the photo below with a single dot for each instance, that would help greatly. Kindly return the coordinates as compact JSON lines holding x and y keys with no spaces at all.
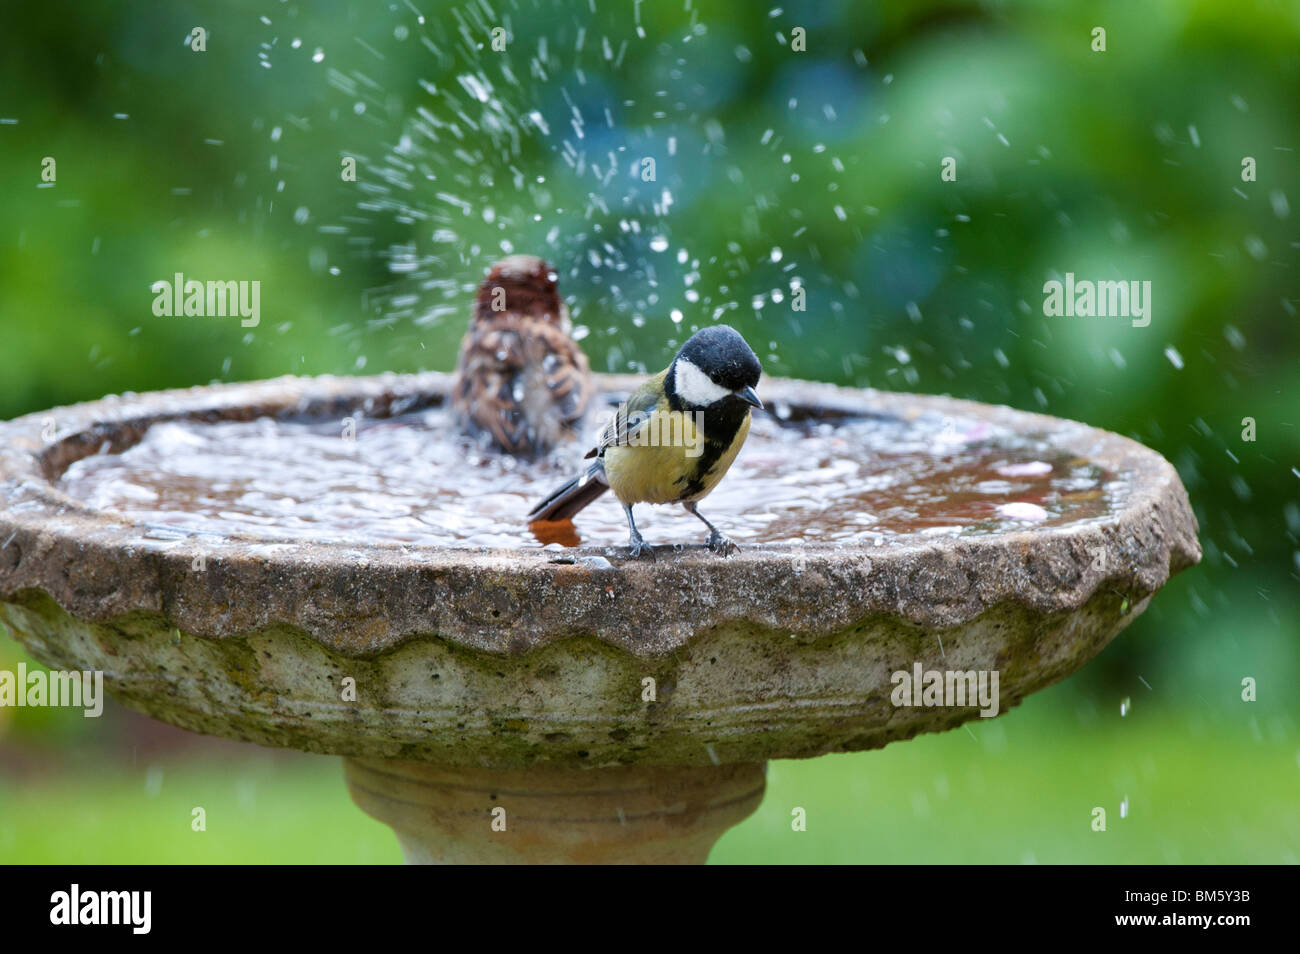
{"x":573,"y":496}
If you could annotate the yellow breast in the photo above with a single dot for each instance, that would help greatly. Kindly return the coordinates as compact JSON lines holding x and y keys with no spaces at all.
{"x":665,"y":457}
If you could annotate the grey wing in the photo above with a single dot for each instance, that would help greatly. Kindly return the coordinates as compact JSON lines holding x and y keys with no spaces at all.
{"x":631,"y":416}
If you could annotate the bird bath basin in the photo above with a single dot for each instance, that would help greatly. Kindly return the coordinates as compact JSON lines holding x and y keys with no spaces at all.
{"x":320,"y":564}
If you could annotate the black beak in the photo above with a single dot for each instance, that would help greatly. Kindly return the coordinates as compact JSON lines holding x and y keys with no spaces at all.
{"x":749,"y":397}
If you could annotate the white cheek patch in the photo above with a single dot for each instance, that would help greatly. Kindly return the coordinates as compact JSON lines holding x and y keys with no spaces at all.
{"x":695,"y":387}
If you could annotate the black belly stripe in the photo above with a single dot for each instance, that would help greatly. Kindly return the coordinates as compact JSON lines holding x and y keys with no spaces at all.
{"x":721,"y":424}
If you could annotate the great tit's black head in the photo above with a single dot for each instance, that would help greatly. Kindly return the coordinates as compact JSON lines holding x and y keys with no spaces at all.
{"x":715,"y":365}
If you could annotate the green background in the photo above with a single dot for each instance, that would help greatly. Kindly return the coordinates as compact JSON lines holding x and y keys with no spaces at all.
{"x":776,"y":170}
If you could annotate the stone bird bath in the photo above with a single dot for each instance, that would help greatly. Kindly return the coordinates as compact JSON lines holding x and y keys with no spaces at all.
{"x":515,"y":702}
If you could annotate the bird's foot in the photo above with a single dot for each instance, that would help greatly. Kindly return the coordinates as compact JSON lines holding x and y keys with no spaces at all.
{"x":640,"y":548}
{"x":721,"y":544}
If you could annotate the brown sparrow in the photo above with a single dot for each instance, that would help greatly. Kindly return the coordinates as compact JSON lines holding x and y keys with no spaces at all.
{"x":521,"y":381}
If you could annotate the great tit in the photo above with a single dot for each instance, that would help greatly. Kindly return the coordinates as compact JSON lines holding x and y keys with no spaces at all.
{"x":673,"y":438}
{"x":521,"y":380}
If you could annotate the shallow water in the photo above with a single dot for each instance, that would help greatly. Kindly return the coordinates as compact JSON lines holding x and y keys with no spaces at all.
{"x":414,"y":480}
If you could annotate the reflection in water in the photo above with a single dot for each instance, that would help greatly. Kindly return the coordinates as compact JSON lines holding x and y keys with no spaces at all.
{"x":415,"y":480}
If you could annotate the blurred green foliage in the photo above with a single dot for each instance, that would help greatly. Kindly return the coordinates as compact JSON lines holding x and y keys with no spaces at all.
{"x":776,"y":171}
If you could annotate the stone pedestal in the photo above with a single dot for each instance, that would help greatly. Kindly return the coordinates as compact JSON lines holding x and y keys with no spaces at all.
{"x":554,"y":815}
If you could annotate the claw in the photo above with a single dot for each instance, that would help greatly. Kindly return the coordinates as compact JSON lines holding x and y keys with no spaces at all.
{"x":640,"y":548}
{"x":718,"y":543}
{"x":721,"y":544}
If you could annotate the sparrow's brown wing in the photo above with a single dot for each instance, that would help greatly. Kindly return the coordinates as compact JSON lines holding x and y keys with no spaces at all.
{"x":489,"y":384}
{"x":564,"y":371}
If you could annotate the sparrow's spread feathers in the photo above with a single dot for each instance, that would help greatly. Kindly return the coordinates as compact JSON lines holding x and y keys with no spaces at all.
{"x":521,"y":380}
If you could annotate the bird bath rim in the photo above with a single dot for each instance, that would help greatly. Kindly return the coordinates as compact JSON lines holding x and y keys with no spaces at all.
{"x":1048,"y":570}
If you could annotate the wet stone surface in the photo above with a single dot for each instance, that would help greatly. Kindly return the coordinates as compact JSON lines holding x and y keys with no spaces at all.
{"x":415,"y":480}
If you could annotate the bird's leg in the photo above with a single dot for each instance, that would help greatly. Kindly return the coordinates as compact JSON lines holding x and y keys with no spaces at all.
{"x":718,"y":542}
{"x":639,"y":546}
